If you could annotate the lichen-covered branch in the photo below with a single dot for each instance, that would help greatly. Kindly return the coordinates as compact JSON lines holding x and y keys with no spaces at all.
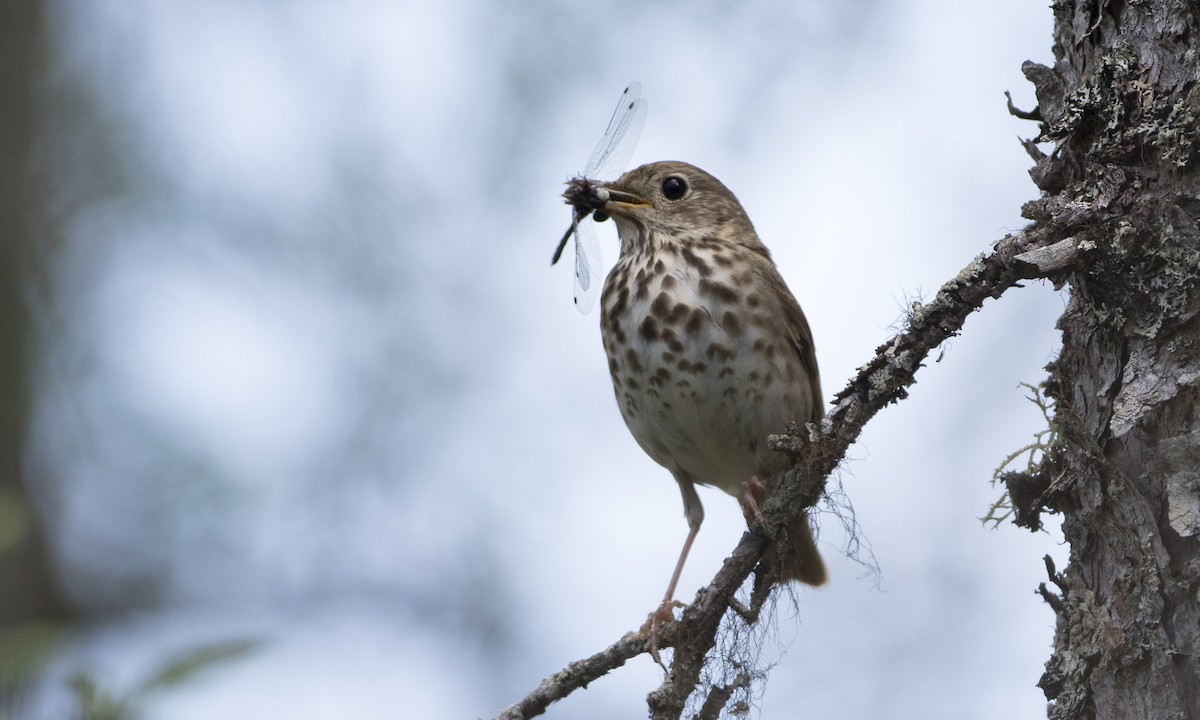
{"x":578,"y":675}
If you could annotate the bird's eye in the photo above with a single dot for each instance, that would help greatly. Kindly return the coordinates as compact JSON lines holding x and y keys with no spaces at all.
{"x":674,"y":187}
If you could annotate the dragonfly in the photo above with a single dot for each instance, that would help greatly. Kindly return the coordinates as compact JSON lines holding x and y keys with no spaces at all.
{"x":587,"y":197}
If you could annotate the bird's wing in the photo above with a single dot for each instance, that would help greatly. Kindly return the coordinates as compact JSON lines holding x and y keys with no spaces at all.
{"x":799,"y":336}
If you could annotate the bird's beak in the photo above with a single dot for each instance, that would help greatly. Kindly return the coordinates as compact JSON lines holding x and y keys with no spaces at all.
{"x":620,"y":202}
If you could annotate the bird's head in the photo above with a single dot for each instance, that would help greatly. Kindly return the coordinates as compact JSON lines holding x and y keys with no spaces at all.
{"x":670,"y":203}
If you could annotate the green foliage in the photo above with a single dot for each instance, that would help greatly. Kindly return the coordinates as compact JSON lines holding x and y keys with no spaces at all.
{"x":96,"y":703}
{"x":185,"y":666}
{"x":1033,"y":453}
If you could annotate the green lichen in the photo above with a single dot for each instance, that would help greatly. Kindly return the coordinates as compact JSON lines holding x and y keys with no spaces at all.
{"x":1033,"y":454}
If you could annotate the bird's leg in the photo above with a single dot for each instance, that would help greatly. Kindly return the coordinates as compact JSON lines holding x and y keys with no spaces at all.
{"x":753,"y":492}
{"x":693,"y":510}
{"x":666,"y":610}
{"x":669,"y":599}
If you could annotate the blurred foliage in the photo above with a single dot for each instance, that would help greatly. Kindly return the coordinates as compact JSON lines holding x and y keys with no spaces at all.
{"x":98,"y":703}
{"x":184,"y":666}
{"x":16,"y":521}
{"x":24,"y":652}
{"x":25,"y":649}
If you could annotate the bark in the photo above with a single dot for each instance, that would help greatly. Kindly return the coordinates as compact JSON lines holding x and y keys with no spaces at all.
{"x":1122,"y":105}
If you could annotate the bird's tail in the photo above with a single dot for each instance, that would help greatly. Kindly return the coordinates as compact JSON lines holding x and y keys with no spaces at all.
{"x":796,"y":554}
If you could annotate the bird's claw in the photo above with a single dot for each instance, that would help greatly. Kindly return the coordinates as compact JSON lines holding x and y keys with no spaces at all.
{"x":753,"y":492}
{"x":663,"y":615}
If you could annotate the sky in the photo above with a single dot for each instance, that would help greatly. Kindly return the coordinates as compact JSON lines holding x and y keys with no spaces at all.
{"x":305,"y":376}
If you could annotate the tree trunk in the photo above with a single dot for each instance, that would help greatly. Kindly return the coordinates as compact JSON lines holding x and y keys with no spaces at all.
{"x":27,"y":592}
{"x":1122,"y":105}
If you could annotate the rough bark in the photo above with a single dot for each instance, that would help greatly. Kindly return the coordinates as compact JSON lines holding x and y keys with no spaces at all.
{"x":1122,"y":106}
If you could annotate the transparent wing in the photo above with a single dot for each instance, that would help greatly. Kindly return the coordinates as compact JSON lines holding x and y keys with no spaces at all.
{"x":619,"y":139}
{"x":610,"y":156}
{"x":587,"y":264}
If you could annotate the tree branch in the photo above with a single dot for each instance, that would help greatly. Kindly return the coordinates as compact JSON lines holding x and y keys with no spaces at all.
{"x":1032,"y":253}
{"x":578,"y":674}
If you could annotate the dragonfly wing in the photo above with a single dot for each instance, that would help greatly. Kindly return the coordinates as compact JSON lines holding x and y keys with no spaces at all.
{"x":610,"y":156}
{"x":616,"y":146}
{"x":587,"y":265}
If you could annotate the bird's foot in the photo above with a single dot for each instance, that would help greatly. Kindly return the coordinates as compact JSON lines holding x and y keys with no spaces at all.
{"x":663,"y":615}
{"x":753,"y":492}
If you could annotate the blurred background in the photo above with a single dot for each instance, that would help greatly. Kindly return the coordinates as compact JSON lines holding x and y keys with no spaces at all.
{"x":299,"y":421}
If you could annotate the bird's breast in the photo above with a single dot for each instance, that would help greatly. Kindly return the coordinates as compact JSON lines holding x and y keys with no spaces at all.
{"x":700,"y":363}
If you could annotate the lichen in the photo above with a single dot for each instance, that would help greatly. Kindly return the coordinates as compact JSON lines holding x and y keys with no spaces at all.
{"x":1035,"y":453}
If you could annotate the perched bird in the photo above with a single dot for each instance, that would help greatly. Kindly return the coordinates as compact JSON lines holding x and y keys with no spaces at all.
{"x":709,"y":351}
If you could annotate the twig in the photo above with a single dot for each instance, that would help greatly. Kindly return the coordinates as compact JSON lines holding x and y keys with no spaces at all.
{"x":719,"y":696}
{"x":579,"y":673}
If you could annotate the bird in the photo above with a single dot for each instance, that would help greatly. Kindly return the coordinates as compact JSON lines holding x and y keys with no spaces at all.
{"x":708,"y":349}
